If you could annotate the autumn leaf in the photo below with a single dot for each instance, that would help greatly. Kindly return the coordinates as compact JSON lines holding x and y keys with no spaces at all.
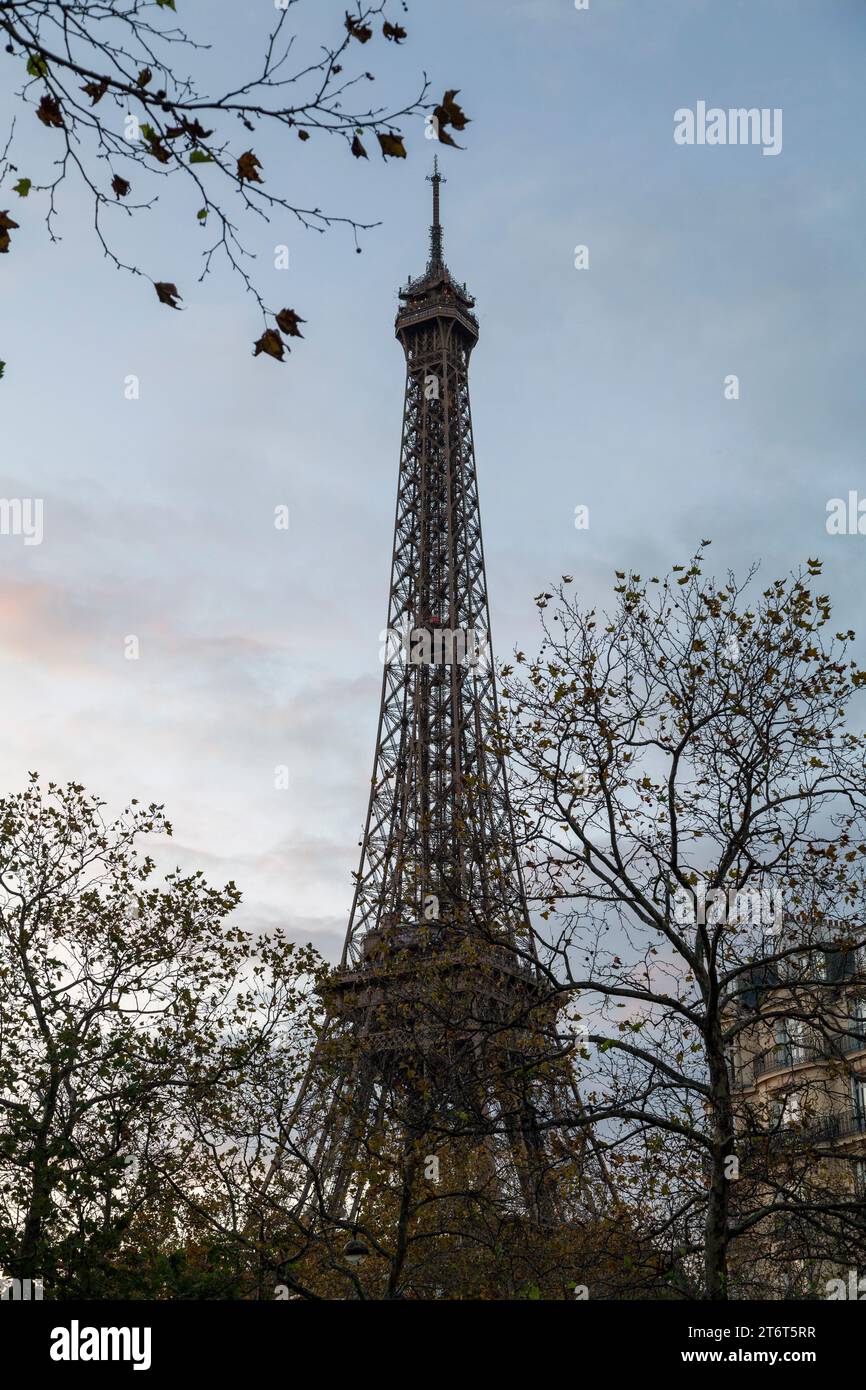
{"x":143,"y":77}
{"x":167,"y":294}
{"x":359,"y":31}
{"x":392,"y":145}
{"x":358,"y":149}
{"x":288,"y":321}
{"x":154,"y":144}
{"x":248,"y":168}
{"x":194,"y":129}
{"x":446,"y":138}
{"x":6,"y":225}
{"x":37,"y":66}
{"x":393,"y":31}
{"x":200,"y":157}
{"x":271,"y":343}
{"x":303,"y":135}
{"x":449,"y":113}
{"x":96,"y":90}
{"x":453,"y":115}
{"x":166,"y":4}
{"x":23,"y":187}
{"x":49,"y":111}
{"x":119,"y":186}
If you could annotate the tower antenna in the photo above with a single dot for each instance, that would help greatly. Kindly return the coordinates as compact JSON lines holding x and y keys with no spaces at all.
{"x":437,"y":180}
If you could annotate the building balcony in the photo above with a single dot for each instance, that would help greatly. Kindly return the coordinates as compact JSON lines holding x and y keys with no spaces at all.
{"x":834,"y":1129}
{"x":787,"y":1058}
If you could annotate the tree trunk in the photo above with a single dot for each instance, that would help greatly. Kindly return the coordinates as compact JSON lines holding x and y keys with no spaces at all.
{"x":716,"y":1226}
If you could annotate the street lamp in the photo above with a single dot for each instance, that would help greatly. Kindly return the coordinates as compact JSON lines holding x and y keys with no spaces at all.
{"x":355,"y":1252}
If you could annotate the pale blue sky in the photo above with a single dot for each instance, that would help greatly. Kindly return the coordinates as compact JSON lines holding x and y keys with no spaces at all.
{"x":601,"y":387}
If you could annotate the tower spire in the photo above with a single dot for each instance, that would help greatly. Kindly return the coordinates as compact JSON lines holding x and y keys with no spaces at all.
{"x":436,"y":179}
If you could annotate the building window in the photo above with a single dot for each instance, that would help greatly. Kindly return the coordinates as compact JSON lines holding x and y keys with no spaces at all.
{"x":790,"y":1038}
{"x":792,"y":1110}
{"x":797,"y":1034}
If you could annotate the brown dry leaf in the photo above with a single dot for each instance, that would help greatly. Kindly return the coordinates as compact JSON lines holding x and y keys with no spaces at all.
{"x":49,"y":111}
{"x":96,"y":90}
{"x":155,"y":146}
{"x":450,"y":113}
{"x":248,"y":168}
{"x":119,"y":186}
{"x":143,"y":77}
{"x":358,"y":149}
{"x":394,"y":31}
{"x":392,"y":146}
{"x":454,"y":115}
{"x":362,"y":32}
{"x":288,"y":321}
{"x":167,"y":294}
{"x":272,"y":344}
{"x":194,"y":129}
{"x":6,"y":225}
{"x":303,"y":135}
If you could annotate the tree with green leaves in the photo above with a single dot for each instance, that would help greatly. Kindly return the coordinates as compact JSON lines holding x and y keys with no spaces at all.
{"x":143,"y":1037}
{"x":159,"y":1135}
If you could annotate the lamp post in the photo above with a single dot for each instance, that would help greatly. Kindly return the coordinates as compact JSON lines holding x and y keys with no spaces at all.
{"x":355,"y":1253}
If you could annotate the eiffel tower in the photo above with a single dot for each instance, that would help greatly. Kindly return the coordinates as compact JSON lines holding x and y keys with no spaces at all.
{"x":438,"y":991}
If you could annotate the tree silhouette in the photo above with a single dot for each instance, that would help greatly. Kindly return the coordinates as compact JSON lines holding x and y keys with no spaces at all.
{"x":694,"y":805}
{"x":104,"y":76}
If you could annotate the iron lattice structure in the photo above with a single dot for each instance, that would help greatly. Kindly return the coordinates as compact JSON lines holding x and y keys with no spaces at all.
{"x":439,"y":825}
{"x":437,"y":990}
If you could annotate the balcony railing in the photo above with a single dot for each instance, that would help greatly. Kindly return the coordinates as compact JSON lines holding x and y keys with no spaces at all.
{"x":828,"y":1129}
{"x":784,"y":1057}
{"x":838,"y":1127}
